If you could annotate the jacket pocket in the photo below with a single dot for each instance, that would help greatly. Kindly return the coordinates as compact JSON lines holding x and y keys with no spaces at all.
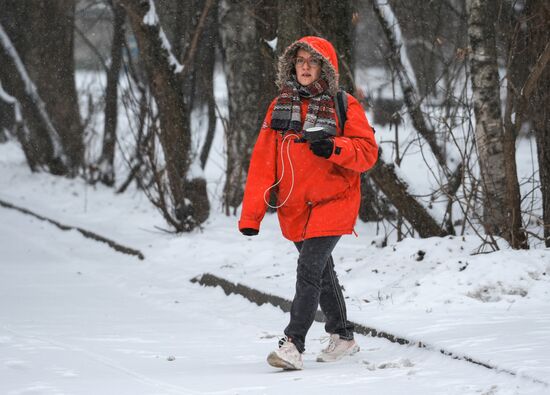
{"x":327,"y":184}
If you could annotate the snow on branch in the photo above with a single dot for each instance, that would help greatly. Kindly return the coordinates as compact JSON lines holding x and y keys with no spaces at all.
{"x":152,"y":19}
{"x":32,"y":93}
{"x":396,"y":41}
{"x":6,"y":97}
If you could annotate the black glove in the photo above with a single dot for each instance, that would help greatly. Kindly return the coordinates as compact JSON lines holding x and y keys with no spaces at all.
{"x":249,"y":232}
{"x":322,"y":148}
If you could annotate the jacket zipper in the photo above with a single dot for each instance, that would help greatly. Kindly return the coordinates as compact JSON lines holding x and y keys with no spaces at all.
{"x":310,"y":208}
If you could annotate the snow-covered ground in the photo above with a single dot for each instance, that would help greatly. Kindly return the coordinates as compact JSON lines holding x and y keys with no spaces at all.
{"x":77,"y":317}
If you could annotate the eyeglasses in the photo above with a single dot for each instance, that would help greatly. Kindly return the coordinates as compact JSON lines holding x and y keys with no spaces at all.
{"x":311,"y":62}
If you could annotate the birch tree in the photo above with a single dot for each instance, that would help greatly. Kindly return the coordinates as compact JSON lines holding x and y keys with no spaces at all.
{"x":501,"y":217}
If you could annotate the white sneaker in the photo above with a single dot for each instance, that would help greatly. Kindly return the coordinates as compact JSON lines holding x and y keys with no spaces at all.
{"x":287,"y":356}
{"x":337,"y":349}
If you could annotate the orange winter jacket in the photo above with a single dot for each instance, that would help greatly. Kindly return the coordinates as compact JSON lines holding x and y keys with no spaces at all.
{"x":322,"y":195}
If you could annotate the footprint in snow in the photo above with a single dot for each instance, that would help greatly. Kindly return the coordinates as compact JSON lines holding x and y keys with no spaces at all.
{"x":400,"y":363}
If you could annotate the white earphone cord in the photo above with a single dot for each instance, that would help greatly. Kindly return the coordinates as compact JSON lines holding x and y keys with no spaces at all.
{"x":283,"y":172}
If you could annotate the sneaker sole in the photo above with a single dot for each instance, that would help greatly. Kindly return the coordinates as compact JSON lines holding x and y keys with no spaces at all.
{"x":274,"y":360}
{"x":353,"y":350}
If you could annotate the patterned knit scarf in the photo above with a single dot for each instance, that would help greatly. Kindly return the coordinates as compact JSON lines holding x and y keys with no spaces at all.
{"x":320,"y":112}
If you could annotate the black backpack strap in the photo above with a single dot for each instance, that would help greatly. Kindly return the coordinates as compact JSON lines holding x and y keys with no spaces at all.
{"x":341,"y":107}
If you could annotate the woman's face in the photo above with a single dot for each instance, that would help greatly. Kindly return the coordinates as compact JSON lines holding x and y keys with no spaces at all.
{"x":308,"y":69}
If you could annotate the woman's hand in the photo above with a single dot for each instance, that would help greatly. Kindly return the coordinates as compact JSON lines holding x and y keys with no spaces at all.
{"x":249,"y":232}
{"x":322,"y":148}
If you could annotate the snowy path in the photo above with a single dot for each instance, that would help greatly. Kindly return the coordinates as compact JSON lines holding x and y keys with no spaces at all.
{"x":79,"y":318}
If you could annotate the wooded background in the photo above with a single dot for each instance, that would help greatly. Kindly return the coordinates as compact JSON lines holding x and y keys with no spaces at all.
{"x":465,"y":78}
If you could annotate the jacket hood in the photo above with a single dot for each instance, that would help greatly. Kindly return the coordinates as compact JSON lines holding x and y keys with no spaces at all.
{"x":319,"y":48}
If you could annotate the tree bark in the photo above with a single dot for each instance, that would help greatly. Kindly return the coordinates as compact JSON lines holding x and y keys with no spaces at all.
{"x":41,"y":141}
{"x":192,"y":27}
{"x":203,"y":87}
{"x":247,"y":75}
{"x":500,"y":186}
{"x":50,"y":61}
{"x":539,"y":101}
{"x":107,"y":159}
{"x":187,"y":186}
{"x":291,"y":25}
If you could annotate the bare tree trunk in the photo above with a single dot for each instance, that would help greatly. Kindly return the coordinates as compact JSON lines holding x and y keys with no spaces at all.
{"x":291,"y":26}
{"x":542,"y":133}
{"x":539,"y":101}
{"x":204,"y":61}
{"x":192,"y":27}
{"x":50,"y":61}
{"x":203,"y":88}
{"x":372,"y":208}
{"x":397,"y":191}
{"x":42,"y":143}
{"x":499,"y":185}
{"x":187,"y":189}
{"x":107,"y":159}
{"x":246,"y":78}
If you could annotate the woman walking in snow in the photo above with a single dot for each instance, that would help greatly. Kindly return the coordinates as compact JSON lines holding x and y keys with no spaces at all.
{"x":318,"y":189}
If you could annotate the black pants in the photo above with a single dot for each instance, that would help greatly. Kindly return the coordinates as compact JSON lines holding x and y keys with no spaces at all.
{"x":317,"y":284}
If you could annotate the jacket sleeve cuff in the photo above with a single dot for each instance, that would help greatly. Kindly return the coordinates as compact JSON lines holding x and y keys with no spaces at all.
{"x":249,"y":223}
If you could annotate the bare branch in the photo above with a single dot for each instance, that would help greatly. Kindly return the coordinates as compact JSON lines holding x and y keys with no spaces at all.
{"x":92,"y":47}
{"x":190,"y":54}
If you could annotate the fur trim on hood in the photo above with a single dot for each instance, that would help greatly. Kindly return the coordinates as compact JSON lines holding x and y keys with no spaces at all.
{"x":319,"y":48}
